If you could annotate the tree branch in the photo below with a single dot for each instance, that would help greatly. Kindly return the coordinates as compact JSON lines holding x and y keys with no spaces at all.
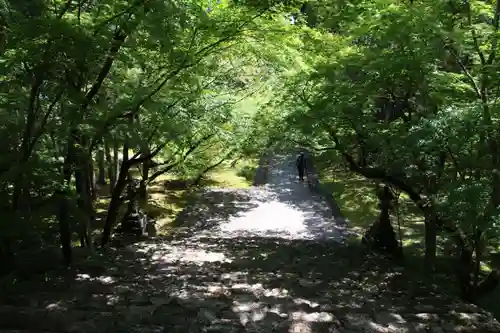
{"x":170,"y":166}
{"x":472,"y":81}
{"x":474,"y":36}
{"x":64,"y":9}
{"x":494,"y":42}
{"x":161,"y":172}
{"x":118,"y":40}
{"x":198,"y":179}
{"x":100,"y":25}
{"x":45,"y":118}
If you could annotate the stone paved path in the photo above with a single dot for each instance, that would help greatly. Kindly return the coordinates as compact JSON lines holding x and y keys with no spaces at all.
{"x":283,"y":208}
{"x":266,"y":259}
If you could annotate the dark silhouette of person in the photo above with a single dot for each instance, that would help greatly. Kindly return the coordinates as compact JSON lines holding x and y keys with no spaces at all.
{"x":301,"y":165}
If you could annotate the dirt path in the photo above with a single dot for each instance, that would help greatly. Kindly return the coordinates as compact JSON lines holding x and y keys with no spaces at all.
{"x":266,"y":259}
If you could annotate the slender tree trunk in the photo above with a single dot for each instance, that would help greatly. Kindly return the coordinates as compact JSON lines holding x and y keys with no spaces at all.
{"x":430,"y":245}
{"x":125,"y":158}
{"x":90,"y":196}
{"x":65,"y":230}
{"x":82,"y":207}
{"x":63,"y":213}
{"x":92,"y":178}
{"x":116,"y":158}
{"x":126,"y":146}
{"x":143,"y":191}
{"x":101,"y":175}
{"x":479,"y":256}
{"x":235,"y":161}
{"x":84,"y":201}
{"x":21,"y":187}
{"x":115,"y":202}
{"x":111,"y":166}
{"x":146,"y":167}
{"x":116,"y":194}
{"x":21,"y":194}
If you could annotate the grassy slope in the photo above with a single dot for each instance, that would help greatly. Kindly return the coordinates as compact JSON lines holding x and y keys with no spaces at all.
{"x":358,"y":202}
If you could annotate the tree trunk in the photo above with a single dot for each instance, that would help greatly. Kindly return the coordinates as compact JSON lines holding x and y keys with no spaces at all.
{"x":116,"y":158}
{"x":63,"y":213}
{"x":126,"y":146}
{"x":143,"y":187}
{"x":101,"y":175}
{"x":465,"y":267}
{"x":91,"y":196}
{"x":91,"y":178}
{"x":84,"y":201}
{"x":146,"y":166}
{"x":115,"y":202}
{"x":65,"y":230}
{"x":489,"y":284}
{"x":82,"y":218}
{"x":21,"y":188}
{"x":111,"y":166}
{"x":125,"y":155}
{"x":116,"y":194}
{"x":235,"y":161}
{"x":430,"y":245}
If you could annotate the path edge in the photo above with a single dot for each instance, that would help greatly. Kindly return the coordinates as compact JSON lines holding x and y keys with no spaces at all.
{"x":315,"y":186}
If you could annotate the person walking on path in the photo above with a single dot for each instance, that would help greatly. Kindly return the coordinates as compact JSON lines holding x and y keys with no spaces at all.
{"x":301,"y":165}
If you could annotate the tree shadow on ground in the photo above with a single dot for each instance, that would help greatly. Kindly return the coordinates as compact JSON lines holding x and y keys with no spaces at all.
{"x":194,"y":280}
{"x":177,"y":284}
{"x":213,"y":206}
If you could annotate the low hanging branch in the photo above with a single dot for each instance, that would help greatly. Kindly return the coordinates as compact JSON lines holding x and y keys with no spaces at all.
{"x":170,"y":165}
{"x":198,"y":179}
{"x":471,"y":290}
{"x":401,"y":184}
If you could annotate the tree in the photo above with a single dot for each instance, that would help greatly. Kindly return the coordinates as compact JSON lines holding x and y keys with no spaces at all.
{"x":406,"y":94}
{"x":114,"y":85}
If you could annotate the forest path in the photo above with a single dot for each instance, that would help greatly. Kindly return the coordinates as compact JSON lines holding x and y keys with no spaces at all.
{"x":265,"y":259}
{"x":282,"y":208}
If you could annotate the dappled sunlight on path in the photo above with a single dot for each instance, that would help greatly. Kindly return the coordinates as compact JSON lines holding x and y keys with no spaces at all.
{"x":267,"y":259}
{"x":269,"y":216}
{"x":283,"y":208}
{"x":275,"y":263}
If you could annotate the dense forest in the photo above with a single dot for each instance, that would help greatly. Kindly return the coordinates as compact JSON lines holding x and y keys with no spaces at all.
{"x":102,"y":93}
